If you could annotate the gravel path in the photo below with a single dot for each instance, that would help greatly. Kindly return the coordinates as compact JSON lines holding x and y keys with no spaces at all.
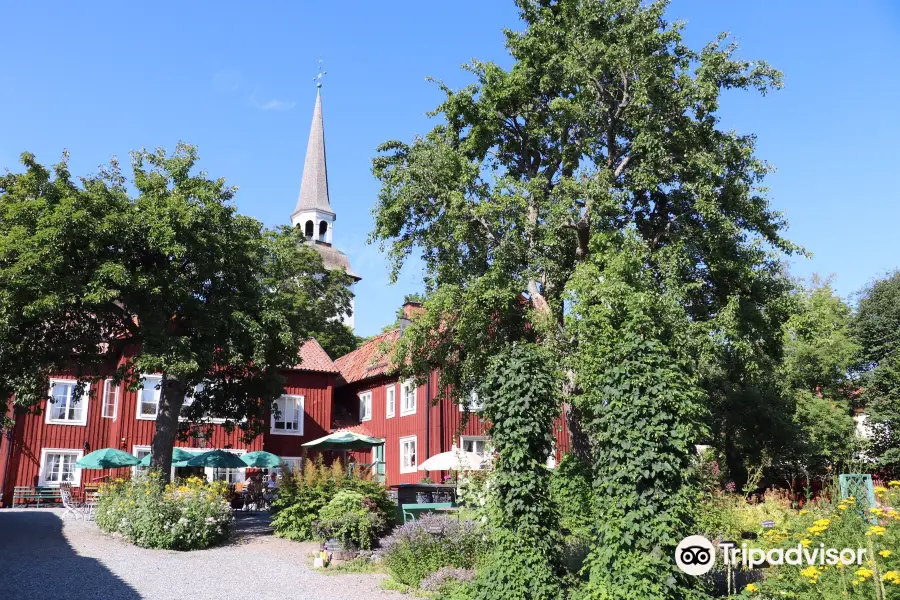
{"x":43,"y":556}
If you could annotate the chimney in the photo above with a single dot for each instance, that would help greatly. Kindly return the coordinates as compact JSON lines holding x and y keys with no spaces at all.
{"x":410,"y":310}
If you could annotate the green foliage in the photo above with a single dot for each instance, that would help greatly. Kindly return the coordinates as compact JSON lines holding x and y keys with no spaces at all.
{"x":412,"y":551}
{"x":301,"y":498}
{"x":189,"y":515}
{"x":877,"y":329}
{"x":163,"y":262}
{"x":570,"y":488}
{"x":643,"y":413}
{"x":352,"y":519}
{"x":521,"y":400}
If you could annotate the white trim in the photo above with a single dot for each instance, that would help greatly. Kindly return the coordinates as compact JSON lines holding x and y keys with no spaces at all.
{"x":302,"y":415}
{"x":390,"y":401}
{"x":115,"y":411}
{"x":188,"y":401}
{"x":474,"y":438}
{"x":404,"y":387}
{"x":134,"y":451}
{"x":76,"y":473}
{"x":142,"y":417}
{"x":85,"y":403}
{"x":414,"y":466}
{"x":365,"y":405}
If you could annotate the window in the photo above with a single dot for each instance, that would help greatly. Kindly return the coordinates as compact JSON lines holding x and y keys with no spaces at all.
{"x":309,"y":229}
{"x":110,"y":399}
{"x":408,"y":454}
{"x":58,"y":466}
{"x":140,"y":452}
{"x":289,"y":420}
{"x":148,"y":397}
{"x":323,"y":231}
{"x":189,"y":400}
{"x":474,"y":444}
{"x":390,"y":401}
{"x":64,"y":407}
{"x":365,"y":406}
{"x":473,"y":403}
{"x":408,"y":397}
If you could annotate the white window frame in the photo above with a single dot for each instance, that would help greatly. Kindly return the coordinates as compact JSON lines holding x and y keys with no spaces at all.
{"x":295,"y":463}
{"x":302,"y":413}
{"x":473,"y":404}
{"x":365,"y":406}
{"x":76,"y":473}
{"x":156,"y":395}
{"x":115,"y":403}
{"x":406,"y":468}
{"x":134,"y":451}
{"x":189,"y":401}
{"x":474,"y":438}
{"x":85,"y":402}
{"x":404,"y":392}
{"x":390,"y":401}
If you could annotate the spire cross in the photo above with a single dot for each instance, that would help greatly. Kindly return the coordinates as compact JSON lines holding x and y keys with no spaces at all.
{"x":318,"y":78}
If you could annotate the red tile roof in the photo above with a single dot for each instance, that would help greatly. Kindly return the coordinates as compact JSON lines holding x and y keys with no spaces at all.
{"x":314,"y":358}
{"x":369,"y":360}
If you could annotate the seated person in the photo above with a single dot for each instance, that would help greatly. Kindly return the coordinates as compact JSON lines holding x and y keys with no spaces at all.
{"x":271,"y":487}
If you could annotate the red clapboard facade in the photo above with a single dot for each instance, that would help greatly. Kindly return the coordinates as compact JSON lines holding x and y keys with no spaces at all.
{"x":40,"y":450}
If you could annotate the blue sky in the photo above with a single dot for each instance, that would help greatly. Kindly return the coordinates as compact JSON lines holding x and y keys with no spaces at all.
{"x":237,"y":82}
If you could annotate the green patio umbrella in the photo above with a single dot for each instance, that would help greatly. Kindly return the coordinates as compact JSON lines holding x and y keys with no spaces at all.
{"x":178,"y":456}
{"x":216,"y":458}
{"x":344,"y":440}
{"x":261,"y":458}
{"x":107,"y":458}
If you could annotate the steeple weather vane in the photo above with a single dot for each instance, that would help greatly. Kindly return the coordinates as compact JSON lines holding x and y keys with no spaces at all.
{"x":318,"y":78}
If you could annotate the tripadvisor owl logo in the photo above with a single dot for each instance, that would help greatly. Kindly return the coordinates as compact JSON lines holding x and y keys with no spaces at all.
{"x":695,"y":555}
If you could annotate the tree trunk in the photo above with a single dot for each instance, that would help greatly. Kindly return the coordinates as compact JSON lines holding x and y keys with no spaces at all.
{"x":171,"y":398}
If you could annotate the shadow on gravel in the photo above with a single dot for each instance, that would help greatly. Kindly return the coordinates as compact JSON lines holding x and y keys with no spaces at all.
{"x":250,"y":526}
{"x":38,"y":562}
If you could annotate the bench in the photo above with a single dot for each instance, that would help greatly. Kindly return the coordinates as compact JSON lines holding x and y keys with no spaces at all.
{"x":411,"y":512}
{"x":35,"y":495}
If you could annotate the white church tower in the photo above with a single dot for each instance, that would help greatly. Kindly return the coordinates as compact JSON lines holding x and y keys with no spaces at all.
{"x":313,"y":214}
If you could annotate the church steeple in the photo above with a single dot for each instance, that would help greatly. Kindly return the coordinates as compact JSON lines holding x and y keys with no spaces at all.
{"x":313,"y":196}
{"x":313,"y":214}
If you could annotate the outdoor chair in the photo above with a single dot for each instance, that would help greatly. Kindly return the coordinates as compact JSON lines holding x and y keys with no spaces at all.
{"x":68,"y":501}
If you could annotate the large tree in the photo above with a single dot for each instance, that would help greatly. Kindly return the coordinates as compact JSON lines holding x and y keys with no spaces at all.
{"x":602,"y":140}
{"x":214,"y":302}
{"x":877,"y":329}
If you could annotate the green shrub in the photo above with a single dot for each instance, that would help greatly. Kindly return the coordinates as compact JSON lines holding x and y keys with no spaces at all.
{"x":302,"y":497}
{"x":187,"y":515}
{"x":413,"y":551}
{"x":352,"y":519}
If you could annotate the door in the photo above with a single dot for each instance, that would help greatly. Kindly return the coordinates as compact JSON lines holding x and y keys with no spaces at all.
{"x":378,"y":463}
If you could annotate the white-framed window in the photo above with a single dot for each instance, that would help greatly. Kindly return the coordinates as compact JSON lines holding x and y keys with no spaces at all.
{"x":290,"y":416}
{"x":390,"y":401}
{"x":365,"y":406}
{"x":474,"y":443}
{"x":294,"y":464}
{"x":148,"y":397}
{"x":189,"y":399}
{"x":408,"y":397}
{"x":64,"y":408}
{"x":473,"y":403}
{"x":408,"y":451}
{"x":110,"y":399}
{"x":140,"y":452}
{"x":58,"y":466}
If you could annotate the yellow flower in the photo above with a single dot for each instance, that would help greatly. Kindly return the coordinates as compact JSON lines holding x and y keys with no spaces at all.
{"x":891,"y":577}
{"x":885,"y":553}
{"x":876,"y":530}
{"x":751,"y":588}
{"x":880,"y":489}
{"x":806,"y":542}
{"x":864,"y":573}
{"x":842,"y":507}
{"x":802,"y":512}
{"x":894,"y":483}
{"x":876,"y":511}
{"x":810,"y":572}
